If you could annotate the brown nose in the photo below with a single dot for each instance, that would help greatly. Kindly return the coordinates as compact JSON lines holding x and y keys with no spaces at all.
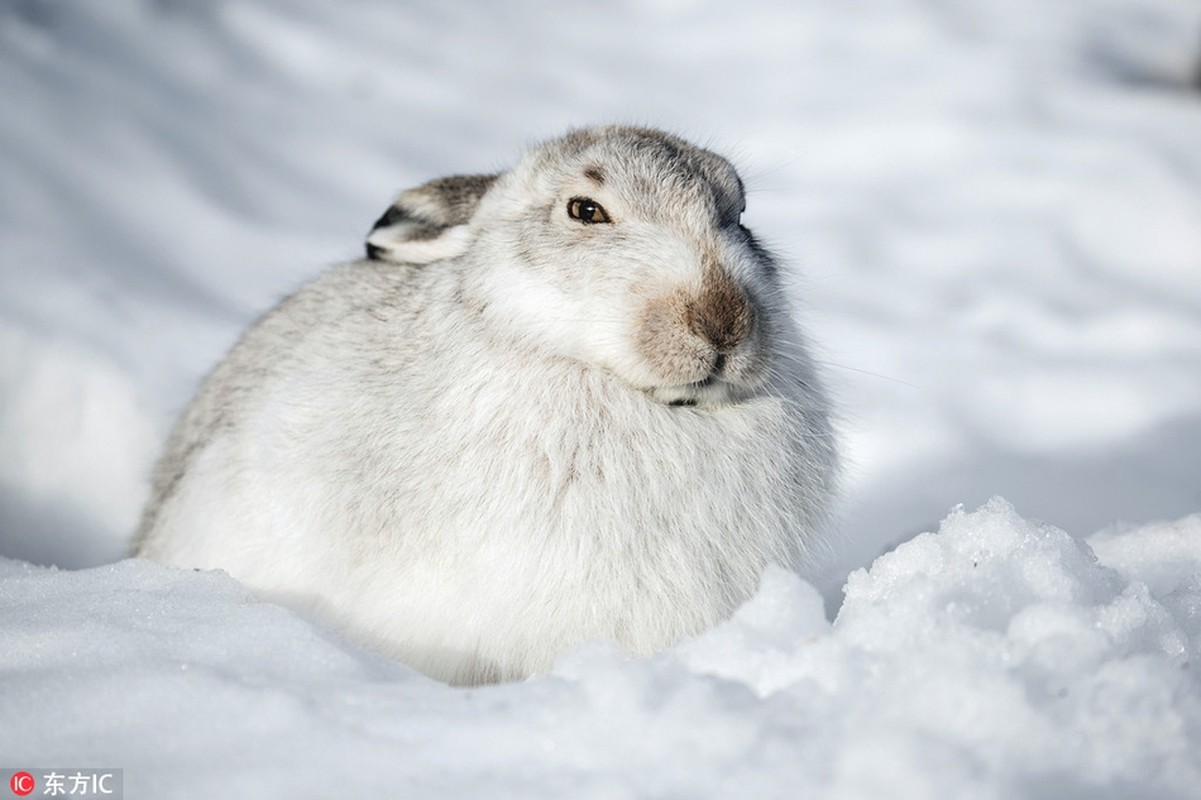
{"x":721,"y":314}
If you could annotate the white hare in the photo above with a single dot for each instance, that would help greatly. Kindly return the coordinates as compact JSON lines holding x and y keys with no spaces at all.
{"x":560,"y":404}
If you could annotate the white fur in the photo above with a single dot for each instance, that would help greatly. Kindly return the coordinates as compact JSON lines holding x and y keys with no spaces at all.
{"x":472,"y":465}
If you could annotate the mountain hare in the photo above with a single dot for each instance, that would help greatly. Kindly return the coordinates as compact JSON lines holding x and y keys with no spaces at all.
{"x":559,"y":404}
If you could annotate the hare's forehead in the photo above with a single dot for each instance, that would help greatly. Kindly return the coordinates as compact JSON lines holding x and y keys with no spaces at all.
{"x":656,"y":173}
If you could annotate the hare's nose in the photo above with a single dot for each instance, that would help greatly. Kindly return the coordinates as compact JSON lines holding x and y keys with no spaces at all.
{"x":721,"y":314}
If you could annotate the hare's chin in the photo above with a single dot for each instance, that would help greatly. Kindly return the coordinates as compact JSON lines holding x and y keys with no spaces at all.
{"x":712,"y":391}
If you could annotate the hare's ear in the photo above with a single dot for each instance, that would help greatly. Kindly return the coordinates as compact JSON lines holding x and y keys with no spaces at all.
{"x":428,"y":223}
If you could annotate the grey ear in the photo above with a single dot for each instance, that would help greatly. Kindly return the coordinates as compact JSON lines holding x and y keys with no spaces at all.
{"x":428,"y":223}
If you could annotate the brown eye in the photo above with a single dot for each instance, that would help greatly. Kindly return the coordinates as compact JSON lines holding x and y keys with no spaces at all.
{"x":587,"y":211}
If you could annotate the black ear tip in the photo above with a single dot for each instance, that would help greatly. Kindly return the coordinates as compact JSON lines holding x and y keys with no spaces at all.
{"x":393,"y":215}
{"x":374,"y":252}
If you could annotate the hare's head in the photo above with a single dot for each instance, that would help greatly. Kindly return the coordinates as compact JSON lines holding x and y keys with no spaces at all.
{"x":622,"y":248}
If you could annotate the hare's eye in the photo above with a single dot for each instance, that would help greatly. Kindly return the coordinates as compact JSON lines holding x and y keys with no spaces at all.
{"x":586,"y":210}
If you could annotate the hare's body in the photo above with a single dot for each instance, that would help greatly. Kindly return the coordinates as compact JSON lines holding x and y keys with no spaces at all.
{"x":438,"y":462}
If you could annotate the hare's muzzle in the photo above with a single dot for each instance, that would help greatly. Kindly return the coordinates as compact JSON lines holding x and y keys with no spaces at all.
{"x":700,"y":343}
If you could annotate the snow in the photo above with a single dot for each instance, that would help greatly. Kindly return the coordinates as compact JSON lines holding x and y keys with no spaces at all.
{"x":995,"y":658}
{"x":995,"y":212}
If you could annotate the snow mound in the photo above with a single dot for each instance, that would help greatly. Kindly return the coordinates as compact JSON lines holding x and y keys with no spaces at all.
{"x":997,"y":658}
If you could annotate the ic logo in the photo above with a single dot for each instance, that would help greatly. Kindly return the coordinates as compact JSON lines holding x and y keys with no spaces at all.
{"x":21,"y":783}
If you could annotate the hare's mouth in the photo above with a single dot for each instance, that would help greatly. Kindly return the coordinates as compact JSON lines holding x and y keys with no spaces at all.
{"x":726,"y":381}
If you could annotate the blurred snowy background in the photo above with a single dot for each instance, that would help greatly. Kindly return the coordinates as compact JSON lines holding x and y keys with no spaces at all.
{"x":993,"y":210}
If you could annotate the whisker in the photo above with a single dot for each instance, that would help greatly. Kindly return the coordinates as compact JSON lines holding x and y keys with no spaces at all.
{"x":869,"y":373}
